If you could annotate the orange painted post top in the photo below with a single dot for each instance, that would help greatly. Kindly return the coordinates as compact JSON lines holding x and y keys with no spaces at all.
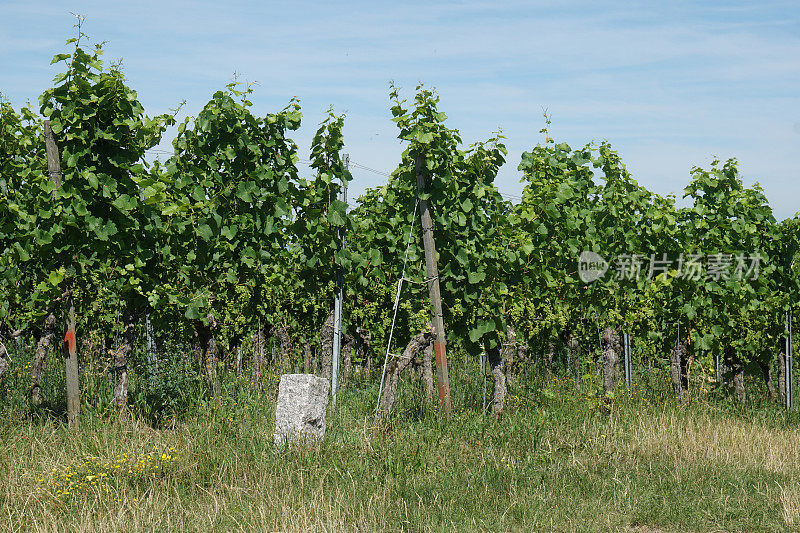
{"x":69,"y":338}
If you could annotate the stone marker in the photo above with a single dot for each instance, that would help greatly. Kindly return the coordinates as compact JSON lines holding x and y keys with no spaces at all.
{"x":300,"y":413}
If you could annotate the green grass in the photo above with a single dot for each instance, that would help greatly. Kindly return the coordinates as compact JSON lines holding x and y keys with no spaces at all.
{"x":559,"y":460}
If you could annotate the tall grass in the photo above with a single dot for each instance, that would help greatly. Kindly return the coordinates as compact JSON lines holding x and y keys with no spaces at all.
{"x":560,"y":459}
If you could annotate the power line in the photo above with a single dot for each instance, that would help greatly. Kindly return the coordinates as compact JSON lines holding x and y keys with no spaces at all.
{"x":353,"y":164}
{"x":159,"y":151}
{"x":388,"y":175}
{"x":382,"y":173}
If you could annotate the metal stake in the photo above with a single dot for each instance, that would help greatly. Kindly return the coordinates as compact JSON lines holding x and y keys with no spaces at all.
{"x":337,"y":305}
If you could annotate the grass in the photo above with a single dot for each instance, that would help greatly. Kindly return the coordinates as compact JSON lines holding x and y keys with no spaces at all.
{"x":561,"y":459}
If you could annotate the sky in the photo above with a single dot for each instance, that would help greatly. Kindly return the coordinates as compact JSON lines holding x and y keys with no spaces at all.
{"x":671,"y":85}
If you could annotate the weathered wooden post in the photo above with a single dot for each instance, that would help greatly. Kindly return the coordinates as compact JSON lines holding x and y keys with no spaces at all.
{"x":432,"y":272}
{"x":71,"y":364}
{"x":70,"y":348}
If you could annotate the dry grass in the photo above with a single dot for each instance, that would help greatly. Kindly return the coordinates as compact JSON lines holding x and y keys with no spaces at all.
{"x":790,"y":500}
{"x":555,"y":462}
{"x":710,"y":439}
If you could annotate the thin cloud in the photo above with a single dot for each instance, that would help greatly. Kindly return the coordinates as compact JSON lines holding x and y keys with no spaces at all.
{"x":668,"y":84}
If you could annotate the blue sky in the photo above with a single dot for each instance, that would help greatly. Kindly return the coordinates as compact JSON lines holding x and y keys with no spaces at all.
{"x":669,"y":84}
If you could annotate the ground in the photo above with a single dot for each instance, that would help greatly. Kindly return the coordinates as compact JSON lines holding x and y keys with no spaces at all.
{"x":560,"y":459}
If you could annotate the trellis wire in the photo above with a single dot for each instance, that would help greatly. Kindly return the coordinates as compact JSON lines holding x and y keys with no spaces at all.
{"x":396,"y":305}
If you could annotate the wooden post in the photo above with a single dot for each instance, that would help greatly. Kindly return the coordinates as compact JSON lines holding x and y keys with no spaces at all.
{"x":71,"y":365}
{"x":70,"y":348}
{"x":432,"y":271}
{"x":53,"y":158}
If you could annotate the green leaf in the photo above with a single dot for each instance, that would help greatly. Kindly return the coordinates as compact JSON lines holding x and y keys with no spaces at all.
{"x":56,"y":277}
{"x":476,"y":277}
{"x":375,"y":256}
{"x":59,"y":57}
{"x":91,"y":177}
{"x":337,"y":213}
{"x":424,"y":138}
{"x":124,"y":203}
{"x":229,"y":232}
{"x":461,"y":257}
{"x":205,"y":231}
{"x":193,"y":311}
{"x":281,"y":208}
{"x":482,"y":328}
